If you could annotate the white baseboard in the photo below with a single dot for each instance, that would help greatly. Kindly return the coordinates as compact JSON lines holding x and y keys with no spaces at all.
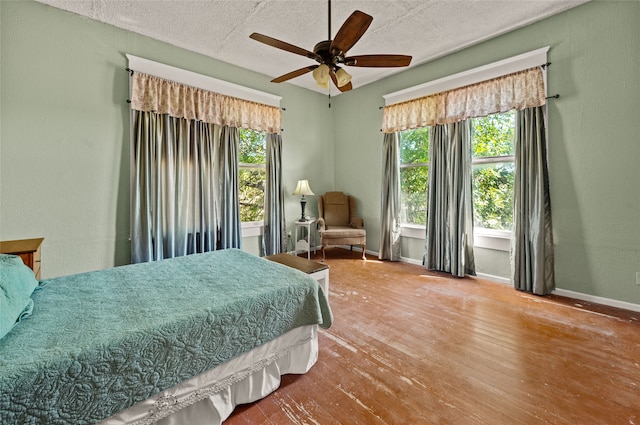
{"x":411,"y":261}
{"x":561,"y":292}
{"x":498,"y":279}
{"x":597,"y":300}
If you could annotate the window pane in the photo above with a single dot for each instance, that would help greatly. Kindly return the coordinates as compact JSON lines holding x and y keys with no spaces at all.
{"x":493,"y":195}
{"x":414,"y":146}
{"x":414,"y":149}
{"x":413,"y":204}
{"x":493,"y":135}
{"x":252,"y":147}
{"x":251,"y":194}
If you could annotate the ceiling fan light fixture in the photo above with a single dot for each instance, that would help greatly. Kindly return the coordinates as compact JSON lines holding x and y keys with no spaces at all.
{"x":321,"y":75}
{"x":342,"y":77}
{"x":330,"y":53}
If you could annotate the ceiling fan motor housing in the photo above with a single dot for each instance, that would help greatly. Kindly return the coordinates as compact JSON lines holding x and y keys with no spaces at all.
{"x":323,"y":49}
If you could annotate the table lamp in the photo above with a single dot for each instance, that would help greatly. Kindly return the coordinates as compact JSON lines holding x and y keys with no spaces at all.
{"x":302,"y":188}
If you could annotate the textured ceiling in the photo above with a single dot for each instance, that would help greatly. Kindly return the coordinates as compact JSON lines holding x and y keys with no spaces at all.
{"x":424,"y":29}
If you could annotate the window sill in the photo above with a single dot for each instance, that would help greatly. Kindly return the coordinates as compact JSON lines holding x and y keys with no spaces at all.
{"x":499,"y":240}
{"x":252,"y":228}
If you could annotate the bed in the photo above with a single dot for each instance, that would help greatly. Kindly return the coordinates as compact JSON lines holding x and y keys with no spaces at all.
{"x":176,"y":341}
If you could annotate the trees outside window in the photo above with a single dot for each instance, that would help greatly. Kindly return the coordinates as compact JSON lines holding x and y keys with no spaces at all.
{"x":414,"y":175}
{"x":252,"y":174}
{"x":493,"y":165}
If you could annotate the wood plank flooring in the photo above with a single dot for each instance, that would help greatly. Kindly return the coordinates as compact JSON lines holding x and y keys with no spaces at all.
{"x":409,"y":346}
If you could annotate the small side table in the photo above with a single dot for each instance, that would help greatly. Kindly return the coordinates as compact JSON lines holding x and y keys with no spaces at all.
{"x":303,"y":244}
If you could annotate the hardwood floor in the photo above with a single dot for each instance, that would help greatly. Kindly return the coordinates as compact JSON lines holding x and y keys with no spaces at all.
{"x":410,"y":346}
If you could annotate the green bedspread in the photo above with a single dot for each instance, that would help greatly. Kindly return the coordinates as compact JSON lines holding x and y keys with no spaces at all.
{"x":102,"y":341}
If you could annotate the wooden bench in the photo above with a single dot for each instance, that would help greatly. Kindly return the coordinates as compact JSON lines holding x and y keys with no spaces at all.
{"x":318,"y":271}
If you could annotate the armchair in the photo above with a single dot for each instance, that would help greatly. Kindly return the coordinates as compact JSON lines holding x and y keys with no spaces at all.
{"x":338,"y":223}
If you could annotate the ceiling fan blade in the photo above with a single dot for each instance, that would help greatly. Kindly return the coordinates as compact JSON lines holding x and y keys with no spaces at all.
{"x":378,"y":61}
{"x":345,"y":87}
{"x":294,"y":74}
{"x":284,"y":46}
{"x":351,"y":31}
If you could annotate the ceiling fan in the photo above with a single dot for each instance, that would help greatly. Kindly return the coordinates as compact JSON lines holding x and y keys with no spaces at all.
{"x":332,"y":54}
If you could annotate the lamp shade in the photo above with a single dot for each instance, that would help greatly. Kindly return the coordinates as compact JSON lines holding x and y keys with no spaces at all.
{"x":321,"y":75}
{"x":342,"y":77}
{"x":302,"y":188}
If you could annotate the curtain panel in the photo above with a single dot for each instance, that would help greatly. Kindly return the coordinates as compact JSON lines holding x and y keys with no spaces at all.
{"x":275,"y":228}
{"x":390,"y":206}
{"x":153,"y":94}
{"x":520,"y":90}
{"x":173,"y":202}
{"x":532,"y":258}
{"x":449,"y":229}
{"x":226,"y":156}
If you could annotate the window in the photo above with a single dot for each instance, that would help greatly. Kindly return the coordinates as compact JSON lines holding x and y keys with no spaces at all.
{"x":252,"y":174}
{"x":414,"y":175}
{"x":493,"y":166}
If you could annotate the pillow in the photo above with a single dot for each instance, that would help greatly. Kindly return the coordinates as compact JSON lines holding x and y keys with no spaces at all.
{"x":17,"y":283}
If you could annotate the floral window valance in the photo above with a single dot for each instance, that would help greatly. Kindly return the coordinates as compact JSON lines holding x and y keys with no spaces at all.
{"x":153,"y":94}
{"x":520,"y":90}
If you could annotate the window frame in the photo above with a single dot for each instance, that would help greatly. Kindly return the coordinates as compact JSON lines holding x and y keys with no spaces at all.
{"x":405,"y":166}
{"x":492,"y":238}
{"x":409,"y":165}
{"x":483,"y":238}
{"x":254,"y":228}
{"x":499,"y":240}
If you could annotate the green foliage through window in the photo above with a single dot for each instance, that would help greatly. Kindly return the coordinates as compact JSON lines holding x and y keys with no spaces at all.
{"x":493,"y":172}
{"x":252,"y":174}
{"x":414,"y":175}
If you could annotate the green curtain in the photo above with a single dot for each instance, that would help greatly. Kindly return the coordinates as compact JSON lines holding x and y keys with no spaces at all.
{"x":274,"y":238}
{"x":449,"y":230}
{"x":228,"y":184}
{"x":532,"y":258}
{"x":390,"y":206}
{"x":173,"y":206}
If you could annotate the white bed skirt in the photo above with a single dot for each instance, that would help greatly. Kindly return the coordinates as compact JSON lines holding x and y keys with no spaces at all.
{"x":209,"y":398}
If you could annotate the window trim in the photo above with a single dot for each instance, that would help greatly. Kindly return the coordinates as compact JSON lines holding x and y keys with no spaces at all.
{"x":482,"y":73}
{"x":493,"y":159}
{"x":201,"y":81}
{"x":499,"y":240}
{"x":252,"y":165}
{"x":252,"y":228}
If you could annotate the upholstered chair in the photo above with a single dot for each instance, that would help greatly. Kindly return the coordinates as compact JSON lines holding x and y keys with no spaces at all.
{"x":338,"y":223}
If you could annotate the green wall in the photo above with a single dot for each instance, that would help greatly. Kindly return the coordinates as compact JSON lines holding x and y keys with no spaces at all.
{"x":64,"y":136}
{"x":594,"y":146}
{"x":64,"y":158}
